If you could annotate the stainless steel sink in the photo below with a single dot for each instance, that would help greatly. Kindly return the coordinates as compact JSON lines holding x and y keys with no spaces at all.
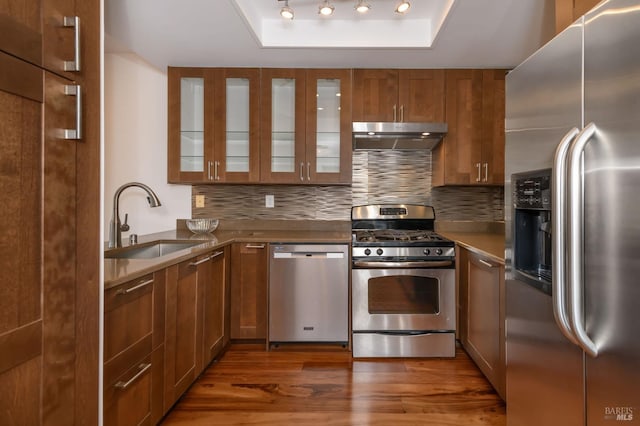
{"x":149,"y":250}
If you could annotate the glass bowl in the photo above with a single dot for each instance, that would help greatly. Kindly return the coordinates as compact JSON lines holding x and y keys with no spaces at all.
{"x":202,"y":226}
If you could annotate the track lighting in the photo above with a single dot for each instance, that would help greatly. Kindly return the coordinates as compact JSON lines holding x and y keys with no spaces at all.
{"x":362,"y":6}
{"x":403,"y":6}
{"x":286,"y":12}
{"x":325,"y":8}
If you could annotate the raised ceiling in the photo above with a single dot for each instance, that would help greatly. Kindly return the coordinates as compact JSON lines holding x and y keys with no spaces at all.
{"x":230,"y":33}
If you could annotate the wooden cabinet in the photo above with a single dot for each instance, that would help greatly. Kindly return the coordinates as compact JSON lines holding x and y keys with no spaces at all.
{"x":134,"y":351}
{"x":214,"y":119}
{"x":212,"y":279}
{"x":568,"y":11}
{"x":49,"y":190}
{"x":398,"y":95}
{"x":472,"y":152}
{"x":194,"y":320}
{"x":482,"y":315}
{"x":306,"y":133}
{"x":249,"y":281}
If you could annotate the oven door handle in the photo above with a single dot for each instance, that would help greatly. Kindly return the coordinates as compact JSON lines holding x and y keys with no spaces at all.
{"x":409,"y":264}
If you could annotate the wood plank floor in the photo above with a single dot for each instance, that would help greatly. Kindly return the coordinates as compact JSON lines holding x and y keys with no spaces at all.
{"x":250,"y":386}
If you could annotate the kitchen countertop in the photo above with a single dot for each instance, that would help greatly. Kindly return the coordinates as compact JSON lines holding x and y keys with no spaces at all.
{"x":490,"y":244}
{"x":118,"y":271}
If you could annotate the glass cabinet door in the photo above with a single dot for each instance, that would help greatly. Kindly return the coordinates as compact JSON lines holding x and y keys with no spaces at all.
{"x":191,"y":124}
{"x":236,"y":117}
{"x":283,"y":126}
{"x":328,"y":141}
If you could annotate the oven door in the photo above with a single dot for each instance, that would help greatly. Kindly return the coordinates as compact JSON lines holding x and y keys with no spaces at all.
{"x":419,"y":299}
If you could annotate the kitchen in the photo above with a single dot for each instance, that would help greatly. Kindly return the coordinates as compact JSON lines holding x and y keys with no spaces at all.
{"x":371,"y":183}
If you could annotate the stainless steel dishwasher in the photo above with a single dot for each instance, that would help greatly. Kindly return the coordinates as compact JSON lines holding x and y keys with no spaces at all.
{"x":309,"y":293}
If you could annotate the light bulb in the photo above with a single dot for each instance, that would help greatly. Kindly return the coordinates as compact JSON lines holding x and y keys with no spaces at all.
{"x":286,"y":12}
{"x":362,"y":6}
{"x":403,"y":6}
{"x":325,"y":9}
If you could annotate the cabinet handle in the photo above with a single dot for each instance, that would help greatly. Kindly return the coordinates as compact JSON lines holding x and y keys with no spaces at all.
{"x":74,"y":90}
{"x":143,"y":368}
{"x":209,"y":170}
{"x":479,"y":172}
{"x":216,"y":165}
{"x":255,"y":246}
{"x":394,"y":113}
{"x":216,"y":254}
{"x":73,"y":22}
{"x":308,"y":171}
{"x":402,"y":113}
{"x":486,"y":172}
{"x":201,"y":261}
{"x":135,"y":287}
{"x":485,"y":263}
{"x":302,"y":171}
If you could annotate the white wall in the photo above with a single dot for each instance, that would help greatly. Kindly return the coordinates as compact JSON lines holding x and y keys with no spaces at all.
{"x":135,"y":122}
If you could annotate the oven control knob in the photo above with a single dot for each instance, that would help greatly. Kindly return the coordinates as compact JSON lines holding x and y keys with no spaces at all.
{"x":427,"y":252}
{"x":439,"y":252}
{"x":367,"y":252}
{"x":379,"y":251}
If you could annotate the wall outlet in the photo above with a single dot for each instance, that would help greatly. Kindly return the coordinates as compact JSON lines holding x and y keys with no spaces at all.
{"x":269,"y":201}
{"x":199,"y":201}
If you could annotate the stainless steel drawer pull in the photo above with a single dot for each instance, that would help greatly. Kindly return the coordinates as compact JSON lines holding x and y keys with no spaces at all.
{"x":135,"y":287}
{"x":485,"y":263}
{"x":216,"y":254}
{"x":201,"y":261}
{"x":301,"y":171}
{"x":486,"y":172}
{"x":308,"y":171}
{"x":143,"y":368}
{"x":73,"y":22}
{"x":255,"y":246}
{"x":478,"y":166}
{"x":74,"y":90}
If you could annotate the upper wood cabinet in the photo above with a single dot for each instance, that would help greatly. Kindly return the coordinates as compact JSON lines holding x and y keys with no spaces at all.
{"x":214,"y":119}
{"x":472,"y":152}
{"x":306,"y":119}
{"x":568,"y":11}
{"x":398,"y":95}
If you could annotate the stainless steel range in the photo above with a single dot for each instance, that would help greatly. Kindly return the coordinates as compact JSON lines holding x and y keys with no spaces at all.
{"x":403,"y":286}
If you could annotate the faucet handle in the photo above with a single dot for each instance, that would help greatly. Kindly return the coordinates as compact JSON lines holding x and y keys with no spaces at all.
{"x":125,"y":227}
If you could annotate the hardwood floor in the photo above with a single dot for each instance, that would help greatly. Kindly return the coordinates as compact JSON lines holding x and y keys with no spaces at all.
{"x":250,"y":386}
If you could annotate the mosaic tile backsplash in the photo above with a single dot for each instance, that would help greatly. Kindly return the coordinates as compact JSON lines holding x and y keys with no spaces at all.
{"x":378,"y":177}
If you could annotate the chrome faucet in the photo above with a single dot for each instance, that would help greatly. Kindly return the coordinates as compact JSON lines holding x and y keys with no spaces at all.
{"x":115,"y":227}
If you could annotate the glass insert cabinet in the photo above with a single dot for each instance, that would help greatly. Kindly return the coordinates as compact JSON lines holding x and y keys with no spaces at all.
{"x":248,"y":125}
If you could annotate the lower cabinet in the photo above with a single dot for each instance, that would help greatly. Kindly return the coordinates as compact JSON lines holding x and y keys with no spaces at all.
{"x":249,"y":279}
{"x":134,"y":351}
{"x":482,"y":314}
{"x":194,"y":320}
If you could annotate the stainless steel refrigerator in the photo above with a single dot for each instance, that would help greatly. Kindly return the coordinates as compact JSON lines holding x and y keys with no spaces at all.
{"x":573,"y":273}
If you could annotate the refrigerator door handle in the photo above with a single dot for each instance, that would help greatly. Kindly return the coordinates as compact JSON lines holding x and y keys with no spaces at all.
{"x":576,"y":239}
{"x":559,"y":220}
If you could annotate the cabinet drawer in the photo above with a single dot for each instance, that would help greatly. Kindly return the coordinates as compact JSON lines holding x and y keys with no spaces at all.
{"x":134,"y":398}
{"x":128,"y":315}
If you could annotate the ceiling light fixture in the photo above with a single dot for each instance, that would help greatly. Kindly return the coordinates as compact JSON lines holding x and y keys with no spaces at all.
{"x":286,"y":12}
{"x":362,"y":6}
{"x":325,"y":8}
{"x":403,"y":6}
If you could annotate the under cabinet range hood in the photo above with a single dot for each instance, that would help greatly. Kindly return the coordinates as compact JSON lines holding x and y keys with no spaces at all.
{"x":392,"y":135}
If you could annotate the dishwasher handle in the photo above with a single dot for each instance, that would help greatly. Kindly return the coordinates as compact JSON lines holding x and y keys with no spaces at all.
{"x":308,"y":255}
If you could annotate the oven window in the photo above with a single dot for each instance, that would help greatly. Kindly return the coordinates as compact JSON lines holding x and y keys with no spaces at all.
{"x":404,"y":294}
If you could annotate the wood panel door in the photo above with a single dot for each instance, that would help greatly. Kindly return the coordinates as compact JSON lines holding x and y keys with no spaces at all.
{"x":493,"y":116}
{"x":457,"y":160}
{"x":249,"y":298}
{"x":421,"y":96}
{"x":375,"y":95}
{"x":181,"y":327}
{"x":211,"y":287}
